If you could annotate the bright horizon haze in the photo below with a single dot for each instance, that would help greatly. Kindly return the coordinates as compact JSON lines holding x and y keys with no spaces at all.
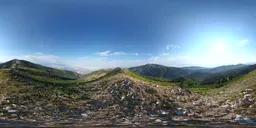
{"x":97,"y":34}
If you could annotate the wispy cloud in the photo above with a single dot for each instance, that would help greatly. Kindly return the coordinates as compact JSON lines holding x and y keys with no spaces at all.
{"x":118,"y":53}
{"x":105,"y":53}
{"x":242,"y":43}
{"x":109,"y":53}
{"x":172,"y":47}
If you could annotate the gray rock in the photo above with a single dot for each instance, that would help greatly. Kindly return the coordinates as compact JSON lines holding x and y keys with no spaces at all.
{"x":247,"y":95}
{"x":158,"y":121}
{"x":164,"y":112}
{"x":248,"y":90}
{"x":84,"y":115}
{"x":7,"y":108}
{"x":122,"y":98}
{"x":180,"y":111}
{"x":241,"y":119}
{"x":12,"y":111}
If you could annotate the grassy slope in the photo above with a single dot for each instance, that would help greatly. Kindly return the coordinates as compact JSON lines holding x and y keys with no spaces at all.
{"x":235,"y":83}
{"x":37,"y":69}
{"x":231,"y":89}
{"x":39,"y":73}
{"x":234,"y":91}
{"x":95,"y":75}
{"x":156,"y":70}
{"x":238,"y":85}
{"x":148,"y":79}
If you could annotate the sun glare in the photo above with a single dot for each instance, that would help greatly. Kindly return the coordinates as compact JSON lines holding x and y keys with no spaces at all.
{"x":219,"y":46}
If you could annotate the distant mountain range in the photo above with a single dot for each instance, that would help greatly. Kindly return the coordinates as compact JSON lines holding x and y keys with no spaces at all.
{"x":205,"y":75}
{"x":174,"y":72}
{"x":159,"y":70}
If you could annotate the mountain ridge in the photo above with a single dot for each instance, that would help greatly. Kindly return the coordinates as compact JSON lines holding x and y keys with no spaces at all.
{"x":192,"y":72}
{"x":38,"y":72}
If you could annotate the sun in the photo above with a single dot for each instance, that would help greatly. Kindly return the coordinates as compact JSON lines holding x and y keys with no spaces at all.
{"x":219,"y":52}
{"x":219,"y":46}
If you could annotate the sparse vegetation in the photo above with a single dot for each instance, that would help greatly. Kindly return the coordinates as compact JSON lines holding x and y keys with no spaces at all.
{"x":148,"y":79}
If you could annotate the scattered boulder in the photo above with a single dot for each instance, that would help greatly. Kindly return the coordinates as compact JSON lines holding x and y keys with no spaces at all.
{"x":247,"y":96}
{"x":163,"y":112}
{"x":7,"y":108}
{"x":180,"y":112}
{"x":158,"y":121}
{"x":122,"y":98}
{"x":244,"y":119}
{"x":248,"y":90}
{"x":12,"y":111}
{"x":84,"y":115}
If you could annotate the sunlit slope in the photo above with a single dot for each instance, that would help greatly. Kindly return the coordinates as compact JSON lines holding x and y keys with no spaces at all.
{"x":241,"y":93}
{"x":95,"y":75}
{"x":37,"y":72}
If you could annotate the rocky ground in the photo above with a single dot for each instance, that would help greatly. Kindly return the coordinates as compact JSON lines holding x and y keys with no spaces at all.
{"x":123,"y":100}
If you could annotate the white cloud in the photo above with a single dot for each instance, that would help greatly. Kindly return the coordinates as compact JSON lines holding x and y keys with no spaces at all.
{"x":109,"y":53}
{"x":172,"y":47}
{"x":242,"y":43}
{"x":105,"y":53}
{"x":118,"y":53}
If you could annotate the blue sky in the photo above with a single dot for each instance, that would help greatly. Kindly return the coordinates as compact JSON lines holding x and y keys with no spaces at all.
{"x":110,"y":33}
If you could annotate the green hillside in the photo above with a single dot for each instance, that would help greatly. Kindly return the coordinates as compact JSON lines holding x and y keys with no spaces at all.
{"x":192,"y":77}
{"x":39,"y":73}
{"x":95,"y":75}
{"x":155,"y":80}
{"x":155,"y":70}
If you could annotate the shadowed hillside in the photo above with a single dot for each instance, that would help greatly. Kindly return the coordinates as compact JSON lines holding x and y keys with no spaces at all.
{"x":207,"y":76}
{"x":160,"y":71}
